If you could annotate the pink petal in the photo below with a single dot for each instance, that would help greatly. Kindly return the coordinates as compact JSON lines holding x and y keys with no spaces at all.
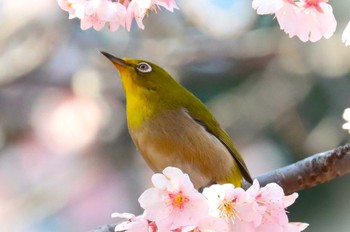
{"x":91,"y":7}
{"x":151,"y":199}
{"x":86,"y":23}
{"x":289,"y":200}
{"x":64,"y":4}
{"x":97,"y":23}
{"x":170,"y":5}
{"x":263,"y":7}
{"x":254,"y":189}
{"x":296,"y":226}
{"x":123,"y":215}
{"x":107,"y":10}
{"x":144,"y":4}
{"x":287,"y":18}
{"x":129,"y":15}
{"x":308,"y":22}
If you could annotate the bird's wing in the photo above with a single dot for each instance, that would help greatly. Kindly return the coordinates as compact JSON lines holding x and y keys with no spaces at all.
{"x":203,"y":117}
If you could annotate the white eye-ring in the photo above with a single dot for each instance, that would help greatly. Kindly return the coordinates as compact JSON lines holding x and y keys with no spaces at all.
{"x":144,"y":67}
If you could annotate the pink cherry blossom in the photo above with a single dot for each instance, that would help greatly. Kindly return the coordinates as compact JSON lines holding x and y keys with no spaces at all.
{"x":272,"y":202}
{"x":309,"y":20}
{"x":234,"y":205}
{"x":98,"y":13}
{"x":173,"y":202}
{"x":174,"y":205}
{"x":346,"y":35}
{"x":315,"y":20}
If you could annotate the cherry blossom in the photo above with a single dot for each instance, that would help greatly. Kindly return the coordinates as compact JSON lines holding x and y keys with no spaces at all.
{"x":173,"y":202}
{"x":309,"y":20}
{"x":174,"y":205}
{"x":315,"y":20}
{"x":272,"y":202}
{"x":230,"y":203}
{"x":99,"y":13}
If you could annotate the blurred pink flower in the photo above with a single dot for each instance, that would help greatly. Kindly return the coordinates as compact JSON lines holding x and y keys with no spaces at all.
{"x":309,"y":20}
{"x":173,"y":202}
{"x":346,"y":35}
{"x":98,"y":13}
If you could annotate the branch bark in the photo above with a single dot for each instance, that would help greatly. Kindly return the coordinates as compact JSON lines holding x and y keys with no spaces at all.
{"x":306,"y":173}
{"x":309,"y":172}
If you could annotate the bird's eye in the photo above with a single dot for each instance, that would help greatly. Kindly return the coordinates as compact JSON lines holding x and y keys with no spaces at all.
{"x":144,"y":67}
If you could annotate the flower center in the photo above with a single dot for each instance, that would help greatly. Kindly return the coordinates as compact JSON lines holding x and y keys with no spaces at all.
{"x":315,"y":4}
{"x":178,"y":200}
{"x":228,"y":210}
{"x":312,"y":2}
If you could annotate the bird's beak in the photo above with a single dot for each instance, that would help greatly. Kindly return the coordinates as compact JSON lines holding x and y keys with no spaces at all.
{"x":115,"y":60}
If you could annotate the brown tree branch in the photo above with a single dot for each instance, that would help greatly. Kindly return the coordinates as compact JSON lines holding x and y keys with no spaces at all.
{"x":309,"y":172}
{"x":306,"y":173}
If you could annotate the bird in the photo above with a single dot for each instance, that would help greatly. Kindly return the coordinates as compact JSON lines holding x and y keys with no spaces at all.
{"x":172,"y":127}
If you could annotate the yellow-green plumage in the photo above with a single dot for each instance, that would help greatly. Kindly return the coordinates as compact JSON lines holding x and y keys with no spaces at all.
{"x":171,"y":127}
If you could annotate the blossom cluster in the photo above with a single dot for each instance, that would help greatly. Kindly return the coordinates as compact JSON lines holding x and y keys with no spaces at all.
{"x":346,"y":116}
{"x":310,"y":20}
{"x":174,"y":205}
{"x":98,"y":13}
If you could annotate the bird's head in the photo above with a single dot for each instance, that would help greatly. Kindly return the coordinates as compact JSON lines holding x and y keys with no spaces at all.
{"x":141,"y":74}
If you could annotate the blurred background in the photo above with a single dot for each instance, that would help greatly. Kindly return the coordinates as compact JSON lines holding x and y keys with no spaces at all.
{"x":66,"y":159}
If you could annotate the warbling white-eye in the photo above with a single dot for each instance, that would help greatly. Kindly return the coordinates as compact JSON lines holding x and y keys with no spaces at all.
{"x":171,"y":127}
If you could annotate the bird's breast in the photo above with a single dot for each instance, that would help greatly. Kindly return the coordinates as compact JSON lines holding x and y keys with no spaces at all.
{"x":174,"y":138}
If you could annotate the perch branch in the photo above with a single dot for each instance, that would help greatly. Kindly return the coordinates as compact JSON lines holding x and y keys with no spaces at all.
{"x":309,"y":172}
{"x":306,"y":173}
